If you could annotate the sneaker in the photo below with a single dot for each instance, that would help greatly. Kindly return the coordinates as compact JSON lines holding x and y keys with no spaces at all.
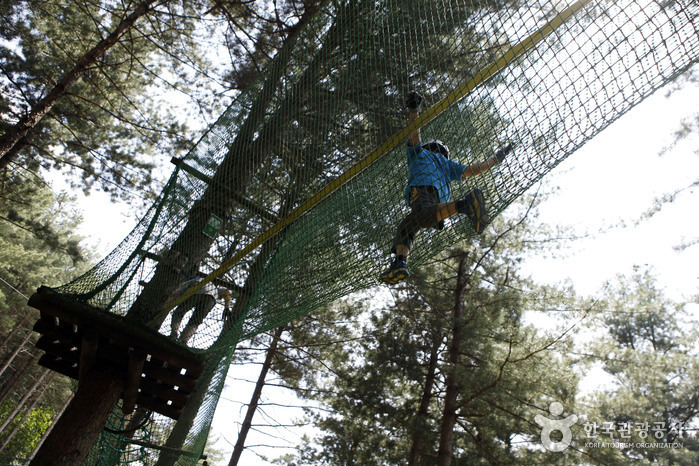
{"x":474,"y":208}
{"x":397,"y":272}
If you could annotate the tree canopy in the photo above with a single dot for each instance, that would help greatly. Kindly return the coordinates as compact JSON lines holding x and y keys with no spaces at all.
{"x":82,"y":86}
{"x":38,"y":244}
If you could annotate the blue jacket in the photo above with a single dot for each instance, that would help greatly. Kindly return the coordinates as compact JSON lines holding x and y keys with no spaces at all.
{"x":427,"y":168}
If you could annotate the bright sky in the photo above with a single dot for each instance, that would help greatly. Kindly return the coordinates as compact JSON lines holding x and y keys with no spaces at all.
{"x":613,"y":178}
{"x":616,"y":177}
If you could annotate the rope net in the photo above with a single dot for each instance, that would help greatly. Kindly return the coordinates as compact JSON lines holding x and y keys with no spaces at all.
{"x":292,"y":198}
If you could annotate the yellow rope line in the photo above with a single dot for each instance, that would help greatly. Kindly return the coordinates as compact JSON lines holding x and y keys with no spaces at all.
{"x":422,"y":119}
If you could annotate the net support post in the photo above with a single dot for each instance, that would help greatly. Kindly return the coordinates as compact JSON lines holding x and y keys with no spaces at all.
{"x":178,"y":162}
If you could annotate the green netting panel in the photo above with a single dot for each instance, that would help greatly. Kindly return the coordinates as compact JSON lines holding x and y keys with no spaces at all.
{"x":246,"y":208}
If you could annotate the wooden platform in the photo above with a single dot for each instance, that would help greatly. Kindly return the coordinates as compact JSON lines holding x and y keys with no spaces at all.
{"x":160,"y":374}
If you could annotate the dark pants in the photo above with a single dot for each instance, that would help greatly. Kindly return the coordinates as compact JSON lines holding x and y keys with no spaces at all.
{"x":424,"y":206}
{"x":202,"y":304}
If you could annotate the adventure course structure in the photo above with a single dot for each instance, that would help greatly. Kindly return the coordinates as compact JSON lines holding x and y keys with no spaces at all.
{"x":291,"y":199}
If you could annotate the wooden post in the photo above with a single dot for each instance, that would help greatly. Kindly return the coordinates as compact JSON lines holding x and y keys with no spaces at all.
{"x":78,"y":428}
{"x":88,"y":353}
{"x":24,"y":399}
{"x":137,"y":358}
{"x":106,"y":373}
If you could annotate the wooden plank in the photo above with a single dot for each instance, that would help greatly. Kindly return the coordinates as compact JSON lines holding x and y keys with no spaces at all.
{"x":159,"y":406}
{"x":59,"y":365}
{"x":48,"y":319}
{"x":170,"y":376}
{"x":160,"y":375}
{"x":119,"y":329}
{"x":59,"y":349}
{"x":137,"y":357}
{"x":177,"y":397}
{"x":53,"y":331}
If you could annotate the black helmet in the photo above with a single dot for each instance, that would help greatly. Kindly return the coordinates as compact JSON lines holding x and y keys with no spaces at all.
{"x":437,"y":146}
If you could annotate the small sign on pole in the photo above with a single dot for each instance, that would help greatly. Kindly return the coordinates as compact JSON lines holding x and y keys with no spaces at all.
{"x":212,"y":226}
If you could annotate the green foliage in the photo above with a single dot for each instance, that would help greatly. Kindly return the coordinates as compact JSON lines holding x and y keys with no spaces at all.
{"x":213,"y":454}
{"x":647,"y":344}
{"x":111,"y":127}
{"x":379,"y":377}
{"x":365,"y":380}
{"x":29,"y":434}
{"x":38,"y":243}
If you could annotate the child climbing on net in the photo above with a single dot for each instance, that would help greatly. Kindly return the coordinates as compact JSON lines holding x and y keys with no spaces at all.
{"x":428,"y":193}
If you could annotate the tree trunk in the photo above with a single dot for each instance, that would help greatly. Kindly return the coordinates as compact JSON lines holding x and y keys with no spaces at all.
{"x":15,"y":352}
{"x":254,"y":401}
{"x":80,"y":425}
{"x":14,"y":330}
{"x":192,"y":245}
{"x":184,"y":424}
{"x":7,"y":389}
{"x":451,"y":405}
{"x":171,"y":452}
{"x":48,"y":431}
{"x":24,"y":399}
{"x":17,"y":136}
{"x":195,"y":244}
{"x":235,"y":170}
{"x":28,"y":411}
{"x":419,"y":426}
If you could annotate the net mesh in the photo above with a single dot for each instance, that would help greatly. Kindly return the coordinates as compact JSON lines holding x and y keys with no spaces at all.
{"x":292,"y":198}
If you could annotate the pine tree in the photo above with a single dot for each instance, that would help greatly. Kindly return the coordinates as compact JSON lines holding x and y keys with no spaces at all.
{"x":38,"y":245}
{"x":86,"y":88}
{"x":647,"y":344}
{"x":448,"y":366}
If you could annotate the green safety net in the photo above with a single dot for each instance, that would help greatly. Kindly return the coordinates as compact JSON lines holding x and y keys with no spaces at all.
{"x":292,"y":198}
